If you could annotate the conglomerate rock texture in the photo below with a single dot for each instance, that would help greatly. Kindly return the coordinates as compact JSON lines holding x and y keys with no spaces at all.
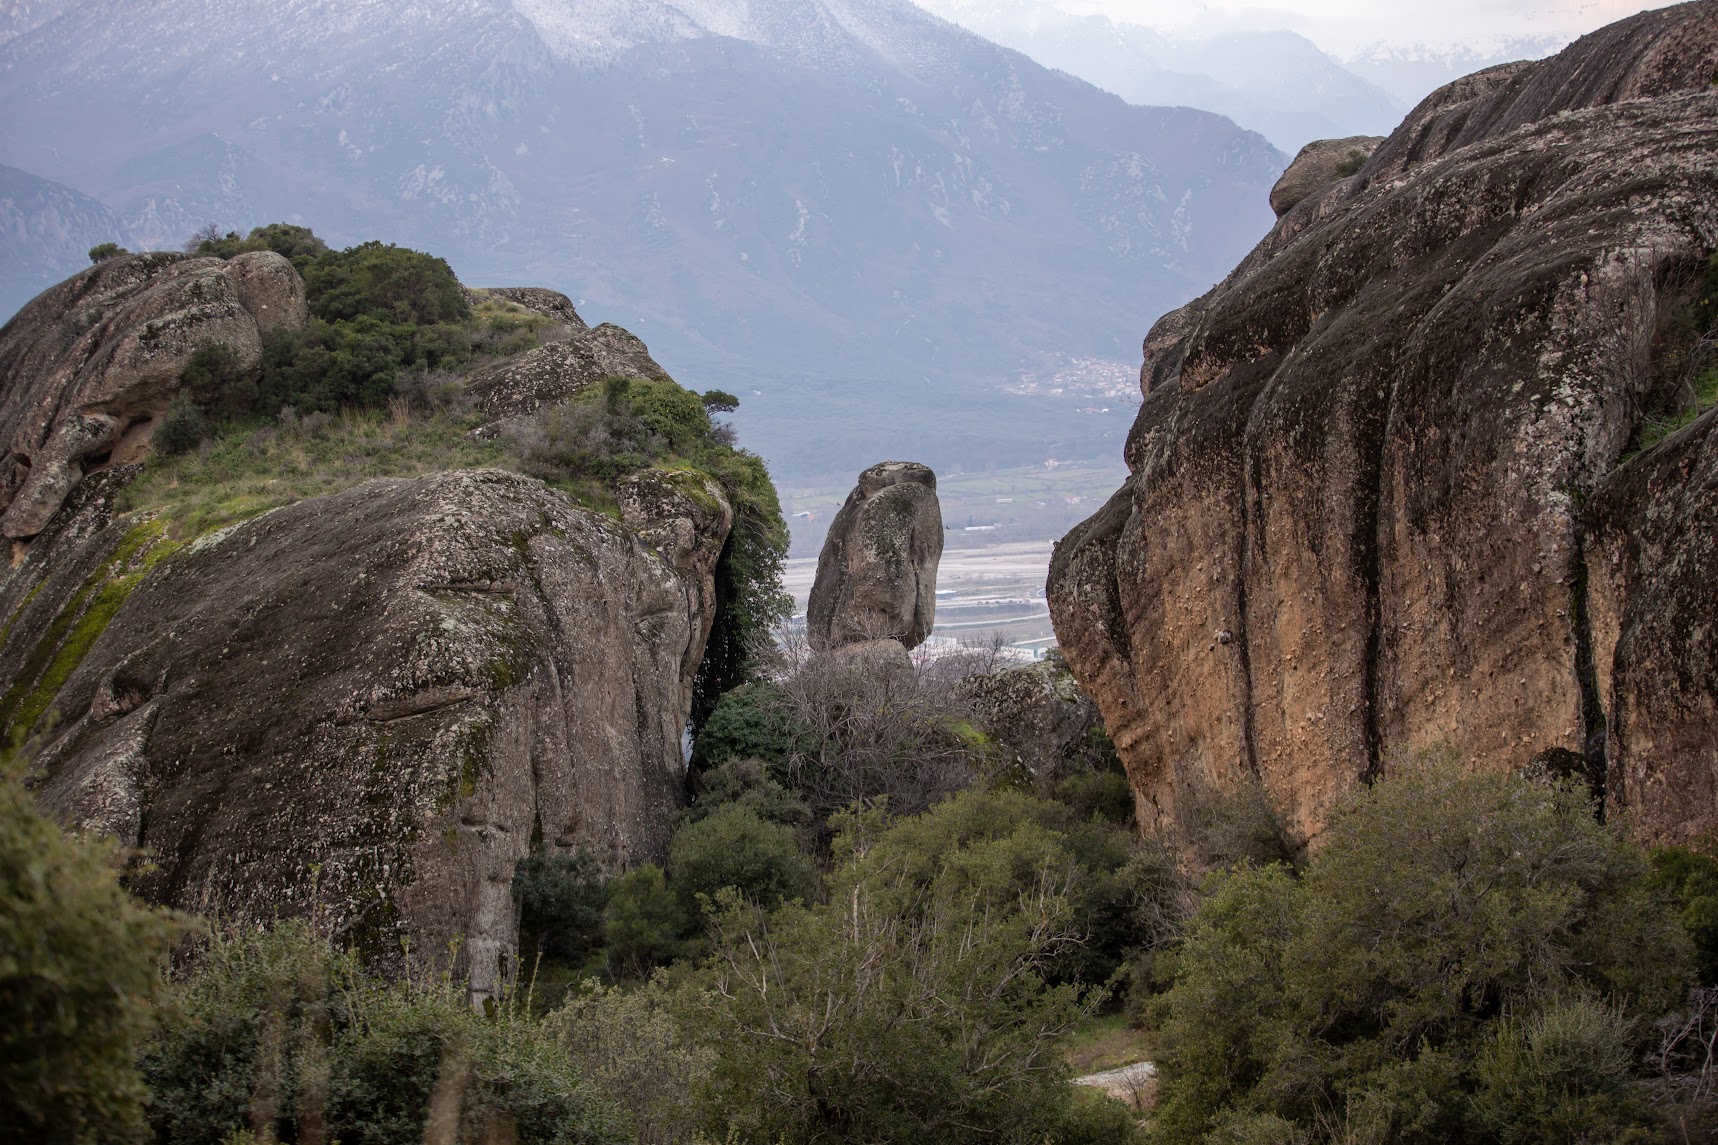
{"x":371,"y":704}
{"x":1378,"y":496}
{"x":877,"y":573}
{"x":88,"y":365}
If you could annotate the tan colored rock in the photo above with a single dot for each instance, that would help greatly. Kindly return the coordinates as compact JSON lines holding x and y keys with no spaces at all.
{"x":371,"y":700}
{"x":100,"y":355}
{"x":877,"y":574}
{"x":1352,"y":525}
{"x":1318,"y":165}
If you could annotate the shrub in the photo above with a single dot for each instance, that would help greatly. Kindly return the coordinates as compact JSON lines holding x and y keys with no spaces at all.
{"x":1690,"y":877}
{"x":104,"y":251}
{"x":746,"y":783}
{"x":735,"y":847}
{"x":1561,"y":1075}
{"x":78,"y":972}
{"x":181,"y":427}
{"x":1365,"y":993}
{"x":912,"y":1005}
{"x":753,"y":721}
{"x":633,"y":1049}
{"x":276,"y":1034}
{"x":642,"y":923}
{"x":561,"y":900}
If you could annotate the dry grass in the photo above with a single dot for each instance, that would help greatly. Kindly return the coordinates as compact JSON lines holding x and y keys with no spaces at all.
{"x":246,"y":470}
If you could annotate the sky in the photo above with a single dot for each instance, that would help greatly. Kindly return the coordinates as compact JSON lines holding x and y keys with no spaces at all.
{"x":1345,"y":27}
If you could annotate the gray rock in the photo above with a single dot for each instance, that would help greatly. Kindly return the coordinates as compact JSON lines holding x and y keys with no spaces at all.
{"x":99,"y":356}
{"x":551,"y":304}
{"x":877,"y":574}
{"x":1318,"y":165}
{"x":1364,"y":456}
{"x":518,"y":387}
{"x":371,"y":700}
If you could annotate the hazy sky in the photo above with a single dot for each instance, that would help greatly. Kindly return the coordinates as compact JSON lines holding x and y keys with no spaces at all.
{"x":1345,"y":26}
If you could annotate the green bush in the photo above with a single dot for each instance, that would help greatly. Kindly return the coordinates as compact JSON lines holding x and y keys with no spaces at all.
{"x":746,"y":783}
{"x":181,"y":428}
{"x":642,"y":923}
{"x":1560,"y":1076}
{"x":1094,"y":1118}
{"x":1366,"y":992}
{"x":1690,"y":877}
{"x":561,"y":900}
{"x":79,"y":964}
{"x":753,"y":721}
{"x":276,"y":1034}
{"x":734,"y":847}
{"x":104,"y":251}
{"x":913,"y":1004}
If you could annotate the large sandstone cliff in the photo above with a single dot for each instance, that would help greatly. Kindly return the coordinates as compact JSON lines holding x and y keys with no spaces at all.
{"x":372,"y":703}
{"x":1378,"y":495}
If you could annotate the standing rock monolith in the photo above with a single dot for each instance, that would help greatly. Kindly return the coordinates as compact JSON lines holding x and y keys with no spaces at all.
{"x":877,"y":576}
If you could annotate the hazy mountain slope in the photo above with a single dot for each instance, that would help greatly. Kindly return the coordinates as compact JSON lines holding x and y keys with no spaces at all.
{"x":1273,"y":81}
{"x":46,"y":231}
{"x":1411,"y":71}
{"x":851,"y":207}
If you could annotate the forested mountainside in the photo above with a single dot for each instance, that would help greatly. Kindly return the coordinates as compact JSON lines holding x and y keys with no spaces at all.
{"x":1435,"y":462}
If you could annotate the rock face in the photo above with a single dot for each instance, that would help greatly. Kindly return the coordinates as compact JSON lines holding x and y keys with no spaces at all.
{"x":526,"y":383}
{"x":1318,"y":165}
{"x":1375,"y":499}
{"x":1038,"y":711}
{"x":551,"y":304}
{"x":877,"y":574}
{"x":89,"y":365}
{"x":373,"y":699}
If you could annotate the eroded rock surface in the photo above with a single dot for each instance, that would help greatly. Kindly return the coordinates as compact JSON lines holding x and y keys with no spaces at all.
{"x":528,"y":383}
{"x":93,"y":361}
{"x":1039,"y":712}
{"x":372,"y":699}
{"x":1318,"y":165}
{"x":1353,"y":525}
{"x":551,"y":304}
{"x":877,"y":574}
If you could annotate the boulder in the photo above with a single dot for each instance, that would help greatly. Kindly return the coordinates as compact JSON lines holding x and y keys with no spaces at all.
{"x":877,"y":574}
{"x":1375,"y":466}
{"x":373,"y":701}
{"x":1318,"y":165}
{"x":1038,"y":711}
{"x":551,"y":304}
{"x":98,"y":357}
{"x":515,"y":388}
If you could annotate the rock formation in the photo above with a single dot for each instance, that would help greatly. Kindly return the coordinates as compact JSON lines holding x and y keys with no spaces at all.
{"x":377,"y":701}
{"x":1318,"y":165}
{"x":89,"y":365}
{"x":1378,"y":496}
{"x":1038,"y":711}
{"x":877,"y":574}
{"x":526,"y":383}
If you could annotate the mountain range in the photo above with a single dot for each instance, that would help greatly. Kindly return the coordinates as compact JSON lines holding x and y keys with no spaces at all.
{"x":850,"y":212}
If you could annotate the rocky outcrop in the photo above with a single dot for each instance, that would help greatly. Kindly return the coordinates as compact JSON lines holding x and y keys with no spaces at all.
{"x":1038,"y":711}
{"x":1318,"y":165}
{"x":372,"y":700}
{"x":877,"y":574}
{"x":87,"y":367}
{"x":551,"y":304}
{"x":527,"y":383}
{"x":1375,"y":500}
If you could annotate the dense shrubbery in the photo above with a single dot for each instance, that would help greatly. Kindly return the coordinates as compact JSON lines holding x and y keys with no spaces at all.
{"x":78,"y":973}
{"x":1467,"y":957}
{"x":278,"y":1035}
